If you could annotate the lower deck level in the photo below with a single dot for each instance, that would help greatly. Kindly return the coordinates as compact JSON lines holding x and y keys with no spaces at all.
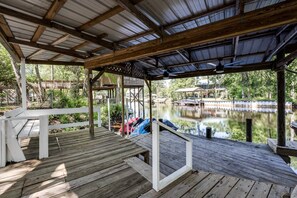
{"x":238,"y":159}
{"x":103,"y":167}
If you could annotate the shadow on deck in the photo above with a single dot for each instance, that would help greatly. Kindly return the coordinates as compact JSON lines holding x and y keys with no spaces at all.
{"x":77,"y":167}
{"x":106,"y":167}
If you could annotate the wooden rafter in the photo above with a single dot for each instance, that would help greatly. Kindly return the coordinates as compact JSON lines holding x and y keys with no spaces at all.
{"x":179,"y":22}
{"x":56,"y":42}
{"x":106,"y":15}
{"x":239,"y":11}
{"x":73,"y":48}
{"x":278,"y":15}
{"x":291,"y":35}
{"x":127,"y":5}
{"x":55,"y":25}
{"x":49,"y":48}
{"x":50,"y":14}
{"x":13,"y":49}
{"x":45,"y":62}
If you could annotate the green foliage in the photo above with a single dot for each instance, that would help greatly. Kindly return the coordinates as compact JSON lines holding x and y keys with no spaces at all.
{"x":64,"y":100}
{"x":6,"y":75}
{"x":115,"y":113}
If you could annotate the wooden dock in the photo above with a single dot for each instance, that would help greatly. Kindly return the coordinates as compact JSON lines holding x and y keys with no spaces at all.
{"x":107,"y":167}
{"x":77,"y":167}
{"x":238,"y":159}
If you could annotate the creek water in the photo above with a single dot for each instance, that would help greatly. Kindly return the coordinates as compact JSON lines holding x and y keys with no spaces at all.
{"x":229,"y":124}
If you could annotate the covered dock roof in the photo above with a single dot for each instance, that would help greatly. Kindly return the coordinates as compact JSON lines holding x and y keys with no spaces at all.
{"x":145,"y":39}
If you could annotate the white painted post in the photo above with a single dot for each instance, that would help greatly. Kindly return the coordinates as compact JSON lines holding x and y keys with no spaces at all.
{"x":2,"y":144}
{"x":23,"y":81}
{"x":156,"y":155}
{"x":14,"y":151}
{"x":189,"y":151}
{"x":43,"y":137}
{"x":99,"y":117}
{"x":108,"y":112}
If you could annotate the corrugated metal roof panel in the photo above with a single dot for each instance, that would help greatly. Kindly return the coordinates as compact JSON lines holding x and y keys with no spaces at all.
{"x":37,"y":7}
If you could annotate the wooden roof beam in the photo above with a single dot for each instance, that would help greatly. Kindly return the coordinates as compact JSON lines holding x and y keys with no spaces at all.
{"x":56,"y":42}
{"x":102,"y":17}
{"x":49,"y":48}
{"x":73,"y":48}
{"x":50,"y":14}
{"x":127,"y":5}
{"x":291,"y":35}
{"x":13,"y":49}
{"x":45,"y":62}
{"x":257,"y":20}
{"x":55,"y":25}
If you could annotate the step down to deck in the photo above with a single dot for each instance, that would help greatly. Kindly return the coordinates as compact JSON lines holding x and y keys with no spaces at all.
{"x":142,"y":168}
{"x":290,"y":149}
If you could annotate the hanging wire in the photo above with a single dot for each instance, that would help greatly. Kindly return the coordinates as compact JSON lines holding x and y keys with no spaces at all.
{"x":289,"y":70}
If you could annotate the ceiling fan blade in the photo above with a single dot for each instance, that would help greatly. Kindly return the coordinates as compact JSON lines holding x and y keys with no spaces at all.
{"x":179,"y":72}
{"x":233,"y":66}
{"x":212,"y":64}
{"x":233,"y":63}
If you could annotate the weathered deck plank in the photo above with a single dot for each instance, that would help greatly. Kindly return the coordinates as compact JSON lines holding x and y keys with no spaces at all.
{"x":238,"y":159}
{"x":79,"y":167}
{"x":103,"y":167}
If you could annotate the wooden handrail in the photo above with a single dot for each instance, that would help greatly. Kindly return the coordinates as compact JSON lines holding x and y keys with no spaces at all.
{"x":173,"y":131}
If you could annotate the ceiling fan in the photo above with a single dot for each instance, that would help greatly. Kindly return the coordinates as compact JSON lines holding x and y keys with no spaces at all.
{"x":219,"y":69}
{"x":166,"y":74}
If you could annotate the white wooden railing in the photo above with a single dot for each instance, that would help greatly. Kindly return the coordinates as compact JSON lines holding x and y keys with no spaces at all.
{"x":160,"y":184}
{"x":8,"y":136}
{"x":48,"y":112}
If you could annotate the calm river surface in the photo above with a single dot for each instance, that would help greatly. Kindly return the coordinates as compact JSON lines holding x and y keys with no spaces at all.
{"x":224,"y":123}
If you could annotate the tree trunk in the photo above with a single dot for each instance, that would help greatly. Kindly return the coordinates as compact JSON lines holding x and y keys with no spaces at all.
{"x":85,"y":93}
{"x":16,"y":70}
{"x":41,"y":91}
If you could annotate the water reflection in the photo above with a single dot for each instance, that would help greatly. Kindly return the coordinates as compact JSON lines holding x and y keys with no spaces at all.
{"x":224,"y":123}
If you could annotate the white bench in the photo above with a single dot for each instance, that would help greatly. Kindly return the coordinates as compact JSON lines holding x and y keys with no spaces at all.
{"x":19,"y":124}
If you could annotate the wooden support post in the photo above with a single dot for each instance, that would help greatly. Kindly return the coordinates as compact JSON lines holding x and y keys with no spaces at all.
{"x":249,"y":131}
{"x":151,"y":109}
{"x":108,"y":113}
{"x":208,"y":132}
{"x":23,"y":82}
{"x":43,"y":137}
{"x":143,"y":108}
{"x":281,"y":102}
{"x":123,"y":106}
{"x":90,"y":100}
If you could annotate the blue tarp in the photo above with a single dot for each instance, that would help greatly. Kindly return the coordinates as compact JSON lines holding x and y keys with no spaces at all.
{"x":144,"y":127}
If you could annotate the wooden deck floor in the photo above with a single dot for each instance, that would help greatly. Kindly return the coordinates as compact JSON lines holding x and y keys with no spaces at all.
{"x":79,"y":167}
{"x":239,"y":159}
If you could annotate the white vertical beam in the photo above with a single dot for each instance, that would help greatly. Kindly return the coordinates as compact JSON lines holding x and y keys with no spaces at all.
{"x":99,"y":117}
{"x":189,"y":151}
{"x":156,"y":155}
{"x":43,"y":137}
{"x":108,"y":112}
{"x":2,"y":144}
{"x":23,"y":81}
